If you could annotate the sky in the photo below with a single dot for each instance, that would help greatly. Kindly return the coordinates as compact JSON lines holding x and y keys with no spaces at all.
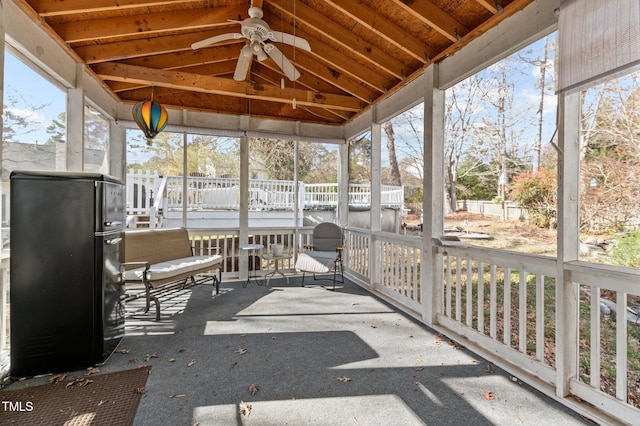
{"x":30,"y":89}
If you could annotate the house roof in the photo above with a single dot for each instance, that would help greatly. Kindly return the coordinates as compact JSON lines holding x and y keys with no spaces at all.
{"x":361,"y":51}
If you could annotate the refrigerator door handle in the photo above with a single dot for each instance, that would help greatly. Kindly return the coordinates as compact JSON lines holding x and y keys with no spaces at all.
{"x":112,"y":223}
{"x":113,"y":241}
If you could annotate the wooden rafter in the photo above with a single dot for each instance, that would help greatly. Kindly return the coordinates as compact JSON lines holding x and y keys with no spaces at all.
{"x":345,"y":38}
{"x":57,"y":7}
{"x":361,"y":50}
{"x":384,"y":28}
{"x":223,"y":86}
{"x":434,"y":17}
{"x":121,"y":26}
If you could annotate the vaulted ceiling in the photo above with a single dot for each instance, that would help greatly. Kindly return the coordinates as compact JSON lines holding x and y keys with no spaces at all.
{"x":361,"y":50}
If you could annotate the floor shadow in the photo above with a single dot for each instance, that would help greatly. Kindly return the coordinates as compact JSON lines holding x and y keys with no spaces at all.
{"x":316,"y":357}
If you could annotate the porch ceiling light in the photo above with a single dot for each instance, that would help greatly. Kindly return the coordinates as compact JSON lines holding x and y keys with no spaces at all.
{"x":151,"y":117}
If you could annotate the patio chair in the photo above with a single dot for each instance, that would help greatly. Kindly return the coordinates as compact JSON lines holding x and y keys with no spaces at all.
{"x":324,"y":255}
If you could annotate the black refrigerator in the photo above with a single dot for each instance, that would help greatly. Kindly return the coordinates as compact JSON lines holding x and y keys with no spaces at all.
{"x":66,"y":294}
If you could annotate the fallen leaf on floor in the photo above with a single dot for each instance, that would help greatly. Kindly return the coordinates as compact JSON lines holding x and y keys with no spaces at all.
{"x":489,"y":395}
{"x":79,"y":382}
{"x":102,"y":401}
{"x":374,"y":326}
{"x":453,"y":344}
{"x":473,"y":361}
{"x":171,"y":360}
{"x":148,"y":357}
{"x":140,"y":391}
{"x":489,"y":369}
{"x":134,"y":359}
{"x":234,"y":363}
{"x":253,"y":389}
{"x":180,"y":350}
{"x":92,"y":370}
{"x":191,"y":363}
{"x":177,"y":395}
{"x":355,"y":420}
{"x":245,"y":409}
{"x":58,"y":378}
{"x":242,"y":335}
{"x":354,"y":303}
{"x":274,"y":337}
{"x":418,"y":369}
{"x":122,"y":351}
{"x":343,"y":379}
{"x":518,"y":419}
{"x":240,"y":350}
{"x":438,"y":340}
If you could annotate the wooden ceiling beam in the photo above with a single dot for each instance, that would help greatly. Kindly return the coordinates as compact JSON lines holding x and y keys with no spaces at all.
{"x":322,"y":70}
{"x":489,"y":5}
{"x":103,"y":52}
{"x":188,"y":58}
{"x":345,"y":38}
{"x":268,"y":76}
{"x":436,"y":18}
{"x":384,"y":28}
{"x":223,"y":86}
{"x":337,"y":60}
{"x":121,"y":26}
{"x":66,"y":7}
{"x":220,"y":104}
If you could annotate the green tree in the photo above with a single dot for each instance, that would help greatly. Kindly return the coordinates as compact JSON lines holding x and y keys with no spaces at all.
{"x":57,"y":130}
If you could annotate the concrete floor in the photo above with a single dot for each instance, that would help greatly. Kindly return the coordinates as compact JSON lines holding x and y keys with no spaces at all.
{"x":308,"y":356}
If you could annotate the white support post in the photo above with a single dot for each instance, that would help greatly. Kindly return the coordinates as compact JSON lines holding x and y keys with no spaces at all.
{"x":75,"y":123}
{"x":568,"y":239}
{"x":375,"y":255}
{"x":185,"y":181}
{"x":343,"y":186}
{"x":431,"y":273}
{"x":243,"y":261}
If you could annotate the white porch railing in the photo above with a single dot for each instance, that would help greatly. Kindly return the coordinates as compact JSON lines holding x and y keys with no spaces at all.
{"x":501,"y":303}
{"x":504,"y":305}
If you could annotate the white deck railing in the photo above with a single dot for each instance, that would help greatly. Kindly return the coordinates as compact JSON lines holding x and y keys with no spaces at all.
{"x":147,"y":189}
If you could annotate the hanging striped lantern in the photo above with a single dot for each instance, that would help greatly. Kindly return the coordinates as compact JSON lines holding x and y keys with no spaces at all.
{"x":151,"y":117}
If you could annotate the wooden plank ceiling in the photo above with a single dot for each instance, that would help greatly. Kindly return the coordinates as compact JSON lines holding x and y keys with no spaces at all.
{"x":361,"y":51}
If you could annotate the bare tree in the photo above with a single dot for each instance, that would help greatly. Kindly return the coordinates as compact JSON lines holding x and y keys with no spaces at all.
{"x":395,"y":178}
{"x":462,"y":114}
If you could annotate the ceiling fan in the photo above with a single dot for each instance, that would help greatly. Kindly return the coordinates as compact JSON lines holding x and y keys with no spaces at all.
{"x":259,"y":35}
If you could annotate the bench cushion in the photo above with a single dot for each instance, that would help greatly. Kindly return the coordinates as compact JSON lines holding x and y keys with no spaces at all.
{"x":171,"y":268}
{"x":319,"y":262}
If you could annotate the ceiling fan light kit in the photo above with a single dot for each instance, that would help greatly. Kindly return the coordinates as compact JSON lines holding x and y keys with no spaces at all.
{"x":260,"y":36}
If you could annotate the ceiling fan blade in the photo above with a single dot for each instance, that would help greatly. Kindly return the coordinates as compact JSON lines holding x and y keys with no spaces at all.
{"x":287,"y":67}
{"x":295,"y":41}
{"x":242,"y":67}
{"x":261,"y":55}
{"x":216,"y":39}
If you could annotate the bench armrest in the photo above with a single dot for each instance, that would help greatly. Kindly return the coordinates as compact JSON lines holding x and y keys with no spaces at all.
{"x":123,"y":266}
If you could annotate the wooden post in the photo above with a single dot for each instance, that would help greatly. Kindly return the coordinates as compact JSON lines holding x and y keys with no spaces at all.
{"x":568,"y":240}
{"x":431,"y":272}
